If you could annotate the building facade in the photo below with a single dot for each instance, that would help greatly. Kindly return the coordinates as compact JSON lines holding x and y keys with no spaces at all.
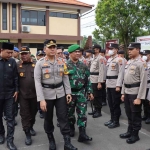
{"x":30,"y":22}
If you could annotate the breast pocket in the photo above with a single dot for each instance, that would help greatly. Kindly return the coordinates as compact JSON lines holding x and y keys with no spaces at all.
{"x":46,"y":73}
{"x":22,"y":74}
{"x":132,"y":70}
{"x":113,"y":67}
{"x":60,"y":70}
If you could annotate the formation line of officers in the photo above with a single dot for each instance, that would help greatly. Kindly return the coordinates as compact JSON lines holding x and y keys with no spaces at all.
{"x":63,"y":82}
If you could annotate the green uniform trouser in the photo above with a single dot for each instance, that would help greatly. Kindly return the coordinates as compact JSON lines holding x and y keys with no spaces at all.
{"x":79,"y":103}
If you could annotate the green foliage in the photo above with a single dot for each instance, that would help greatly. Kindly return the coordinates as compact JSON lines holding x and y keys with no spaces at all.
{"x":122,"y":19}
{"x":83,"y":42}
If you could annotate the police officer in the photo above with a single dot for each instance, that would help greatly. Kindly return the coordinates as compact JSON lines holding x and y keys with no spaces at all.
{"x":51,"y":85}
{"x":8,"y":93}
{"x":80,"y":84}
{"x":89,"y":58}
{"x":27,"y":94}
{"x":114,"y":80}
{"x":16,"y":54}
{"x":133,"y":91}
{"x":97,"y":77}
{"x":146,"y":117}
{"x":121,"y":54}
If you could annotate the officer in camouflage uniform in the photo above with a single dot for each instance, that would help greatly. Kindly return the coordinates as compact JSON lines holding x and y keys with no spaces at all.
{"x":78,"y":76}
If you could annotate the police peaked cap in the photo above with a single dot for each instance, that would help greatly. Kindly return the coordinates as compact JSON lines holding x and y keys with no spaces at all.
{"x":89,"y":51}
{"x":25,"y":49}
{"x":73,"y":48}
{"x":114,"y":45}
{"x":8,"y":45}
{"x":134,"y":45}
{"x":40,"y":52}
{"x":145,"y":52}
{"x":121,"y":52}
{"x":49,"y":43}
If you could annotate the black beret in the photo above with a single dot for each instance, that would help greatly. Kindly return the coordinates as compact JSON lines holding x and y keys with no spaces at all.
{"x":114,"y":45}
{"x":89,"y":51}
{"x":121,"y":52}
{"x":97,"y":46}
{"x":134,"y":45}
{"x":8,"y":45}
{"x":145,"y":52}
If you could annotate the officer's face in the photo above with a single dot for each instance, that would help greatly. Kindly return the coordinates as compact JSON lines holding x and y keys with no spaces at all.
{"x":96,"y":50}
{"x":75,"y":55}
{"x":39,"y":57}
{"x":121,"y":55}
{"x":102,"y":54}
{"x":88,"y":54}
{"x":25,"y":57}
{"x":6,"y":54}
{"x":15,"y":54}
{"x":59,"y":53}
{"x":50,"y":51}
{"x":133,"y":52}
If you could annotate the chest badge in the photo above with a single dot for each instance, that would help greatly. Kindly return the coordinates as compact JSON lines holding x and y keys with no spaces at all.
{"x":47,"y":76}
{"x":9,"y":65}
{"x":21,"y":74}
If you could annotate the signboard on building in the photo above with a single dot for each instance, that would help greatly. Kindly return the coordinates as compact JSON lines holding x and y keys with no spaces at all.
{"x":145,"y":42}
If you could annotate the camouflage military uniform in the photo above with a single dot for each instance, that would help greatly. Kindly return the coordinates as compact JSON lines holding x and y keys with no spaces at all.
{"x":78,"y":76}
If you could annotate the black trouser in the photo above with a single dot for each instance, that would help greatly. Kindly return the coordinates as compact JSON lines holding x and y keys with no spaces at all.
{"x":61,"y":112}
{"x":39,"y":108}
{"x":103,"y":92}
{"x":16,"y":109}
{"x":114,"y":103}
{"x":8,"y":105}
{"x":28,"y":110}
{"x":146,"y":106}
{"x":97,"y":97}
{"x":133,"y":112}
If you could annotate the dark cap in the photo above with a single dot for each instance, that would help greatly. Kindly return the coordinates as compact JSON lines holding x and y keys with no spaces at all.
{"x":49,"y":43}
{"x":97,"y":46}
{"x":8,"y":45}
{"x":141,"y":53}
{"x":24,"y":49}
{"x":145,"y":52}
{"x":121,"y":52}
{"x":134,"y":45}
{"x":103,"y":51}
{"x":40,"y":52}
{"x":114,"y":45}
{"x":89,"y":51}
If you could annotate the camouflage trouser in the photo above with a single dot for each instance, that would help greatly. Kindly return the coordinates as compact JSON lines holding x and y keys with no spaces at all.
{"x":79,"y":103}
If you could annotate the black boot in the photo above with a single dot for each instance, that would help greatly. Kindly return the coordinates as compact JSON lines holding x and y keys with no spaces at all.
{"x":134,"y":137}
{"x":104,"y":104}
{"x":144,"y":117}
{"x":2,"y":138}
{"x":147,"y":121}
{"x":72,"y":130}
{"x":115,"y":124}
{"x":82,"y":135}
{"x":10,"y":145}
{"x":97,"y":114}
{"x":68,"y":145}
{"x":52,"y":145}
{"x":28,"y":140}
{"x":127,"y":134}
{"x":32,"y":132}
{"x":108,"y":122}
{"x":92,"y":113}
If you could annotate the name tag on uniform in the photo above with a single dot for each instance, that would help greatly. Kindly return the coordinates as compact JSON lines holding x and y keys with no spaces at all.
{"x":45,"y":66}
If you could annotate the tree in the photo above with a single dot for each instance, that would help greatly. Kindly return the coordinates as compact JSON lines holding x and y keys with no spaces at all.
{"x":83,"y":41}
{"x":121,"y":19}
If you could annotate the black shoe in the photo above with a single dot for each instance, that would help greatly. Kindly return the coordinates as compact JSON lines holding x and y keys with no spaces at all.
{"x":113,"y":125}
{"x":32,"y":132}
{"x":15,"y":122}
{"x":52,"y":145}
{"x":2,"y":139}
{"x":72,"y":130}
{"x":147,"y":121}
{"x":97,"y":114}
{"x":134,"y":137}
{"x":68,"y":145}
{"x":41,"y":115}
{"x":28,"y":140}
{"x":108,"y":122}
{"x":11,"y":146}
{"x":125,"y":135}
{"x":82,"y":135}
{"x":104,"y":104}
{"x":92,"y":113}
{"x":144,"y":118}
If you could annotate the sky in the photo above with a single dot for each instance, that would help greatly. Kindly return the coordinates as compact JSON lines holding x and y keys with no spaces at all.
{"x":88,"y":21}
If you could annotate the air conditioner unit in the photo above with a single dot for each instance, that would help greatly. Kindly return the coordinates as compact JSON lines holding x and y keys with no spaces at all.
{"x":26,"y":29}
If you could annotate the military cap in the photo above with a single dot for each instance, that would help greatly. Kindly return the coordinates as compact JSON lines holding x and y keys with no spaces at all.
{"x":66,"y":53}
{"x":24,"y":49}
{"x":8,"y":45}
{"x":103,"y":51}
{"x":40,"y":52}
{"x":73,"y":48}
{"x":114,"y":45}
{"x":96,"y":46}
{"x":89,"y":51}
{"x":121,"y":52}
{"x":145,"y":52}
{"x":134,"y":45}
{"x":49,"y":43}
{"x":16,"y":49}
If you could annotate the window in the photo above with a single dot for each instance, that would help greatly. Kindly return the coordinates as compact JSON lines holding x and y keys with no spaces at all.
{"x":63,"y":15}
{"x":32,"y":17}
{"x":4,"y":16}
{"x":14,"y":21}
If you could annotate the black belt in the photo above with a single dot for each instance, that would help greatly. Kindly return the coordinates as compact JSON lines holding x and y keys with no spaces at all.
{"x":148,"y":81}
{"x":94,"y":73}
{"x":52,"y":86}
{"x":132,"y":85}
{"x":111,"y":77}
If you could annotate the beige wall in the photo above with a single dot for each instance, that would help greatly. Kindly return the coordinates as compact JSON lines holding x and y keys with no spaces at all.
{"x":63,"y":26}
{"x":31,"y":41}
{"x":37,"y":29}
{"x":33,"y":51}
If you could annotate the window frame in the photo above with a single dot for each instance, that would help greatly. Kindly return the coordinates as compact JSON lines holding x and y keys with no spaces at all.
{"x":4,"y":16}
{"x":14,"y":14}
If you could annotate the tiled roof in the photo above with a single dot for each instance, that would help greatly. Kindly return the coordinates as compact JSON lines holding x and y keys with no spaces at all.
{"x":71,"y":2}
